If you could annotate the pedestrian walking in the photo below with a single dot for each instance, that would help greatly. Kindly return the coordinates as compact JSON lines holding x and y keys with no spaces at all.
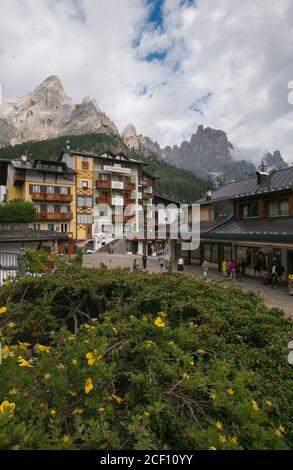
{"x":180,"y":265}
{"x":144,"y":260}
{"x":161,"y":262}
{"x":225,"y":268}
{"x":205,"y":268}
{"x":232,"y":267}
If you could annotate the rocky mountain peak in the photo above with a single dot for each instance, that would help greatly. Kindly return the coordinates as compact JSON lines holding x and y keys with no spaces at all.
{"x":274,"y":161}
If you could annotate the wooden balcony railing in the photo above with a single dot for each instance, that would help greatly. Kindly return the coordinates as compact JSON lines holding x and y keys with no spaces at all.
{"x":104,"y":200}
{"x":129,"y":186}
{"x":147,"y":195}
{"x":103,"y":184}
{"x":122,"y":218}
{"x":19,"y":179}
{"x":54,"y":215}
{"x":129,"y":201}
{"x":52,"y":197}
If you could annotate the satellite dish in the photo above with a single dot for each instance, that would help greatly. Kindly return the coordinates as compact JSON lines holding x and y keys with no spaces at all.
{"x":290,"y":358}
{"x":290,"y":345}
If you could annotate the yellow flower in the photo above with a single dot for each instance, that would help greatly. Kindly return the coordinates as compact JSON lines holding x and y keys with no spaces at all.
{"x":101,"y":410}
{"x":11,"y":325}
{"x":72,"y":393}
{"x":6,"y":352}
{"x":78,"y":411}
{"x":222,"y":439}
{"x":159,"y":323}
{"x":149,"y":343}
{"x":212,"y":448}
{"x":7,"y":407}
{"x":218,"y":425}
{"x":254,"y":405}
{"x":23,"y":345}
{"x":41,"y":348}
{"x":230,"y":391}
{"x":88,"y":386}
{"x":116,"y":398}
{"x":23,"y":363}
{"x":191,"y":363}
{"x":186,"y":376}
{"x":92,"y":357}
{"x":146,"y":413}
{"x":200,"y":351}
{"x":86,"y":341}
{"x":115,"y":330}
{"x":145,"y":318}
{"x":163,"y":314}
{"x":60,"y":366}
{"x":234,"y":440}
{"x":268,"y":402}
{"x":53,"y":412}
{"x":65,"y":439}
{"x":47,"y":376}
{"x":280,"y":431}
{"x":74,"y":362}
{"x":13,"y":392}
{"x":3,"y":310}
{"x":213,"y":395}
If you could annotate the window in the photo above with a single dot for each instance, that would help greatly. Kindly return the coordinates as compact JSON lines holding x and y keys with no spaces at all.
{"x":65,"y":209}
{"x":85,"y":185}
{"x":37,"y":208}
{"x":84,"y":219}
{"x":84,"y":202}
{"x":51,"y":227}
{"x":35,"y":188}
{"x":250,"y":210}
{"x":64,"y":228}
{"x":37,"y":226}
{"x":85,"y":163}
{"x":278,"y":208}
{"x":64,"y":190}
{"x":50,"y":190}
{"x":104,"y":177}
{"x":50,"y":209}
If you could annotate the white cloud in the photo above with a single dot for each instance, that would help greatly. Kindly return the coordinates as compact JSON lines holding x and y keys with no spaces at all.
{"x":239,"y":52}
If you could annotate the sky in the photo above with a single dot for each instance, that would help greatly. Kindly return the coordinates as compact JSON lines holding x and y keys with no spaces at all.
{"x":166,"y":66}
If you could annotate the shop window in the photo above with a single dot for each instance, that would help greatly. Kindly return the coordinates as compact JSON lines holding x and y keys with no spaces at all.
{"x":51,"y":227}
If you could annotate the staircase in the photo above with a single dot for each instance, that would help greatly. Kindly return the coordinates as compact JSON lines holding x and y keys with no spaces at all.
{"x":118,"y":247}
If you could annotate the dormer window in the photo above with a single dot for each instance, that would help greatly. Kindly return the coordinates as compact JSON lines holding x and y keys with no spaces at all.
{"x":278,"y":208}
{"x":249,"y":210}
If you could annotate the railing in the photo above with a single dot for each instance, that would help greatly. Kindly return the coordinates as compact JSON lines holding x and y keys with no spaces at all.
{"x":52,"y":197}
{"x":103,"y":184}
{"x":147,"y":195}
{"x":129,"y":201}
{"x":104,"y":200}
{"x":129,"y":186}
{"x":19,"y":179}
{"x":9,"y":265}
{"x":54,"y":215}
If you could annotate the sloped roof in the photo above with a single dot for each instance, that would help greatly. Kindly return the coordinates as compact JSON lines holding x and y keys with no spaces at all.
{"x":271,"y":228}
{"x":278,"y":180}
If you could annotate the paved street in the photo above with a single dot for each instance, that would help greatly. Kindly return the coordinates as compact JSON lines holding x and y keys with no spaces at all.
{"x":273,"y":297}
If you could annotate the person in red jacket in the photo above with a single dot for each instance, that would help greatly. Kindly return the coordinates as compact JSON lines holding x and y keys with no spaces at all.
{"x":232,"y":268}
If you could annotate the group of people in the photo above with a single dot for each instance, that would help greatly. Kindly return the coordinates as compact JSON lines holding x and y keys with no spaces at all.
{"x":163,"y":263}
{"x":233,"y":269}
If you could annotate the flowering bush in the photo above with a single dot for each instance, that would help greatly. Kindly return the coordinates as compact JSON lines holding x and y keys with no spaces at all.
{"x":98,"y":359}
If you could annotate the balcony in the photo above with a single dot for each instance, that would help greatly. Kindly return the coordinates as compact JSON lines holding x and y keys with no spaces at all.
{"x":129,"y":201}
{"x":103,"y":184}
{"x":129,"y":186}
{"x":122,"y":218}
{"x":146,"y":183}
{"x":19,"y":178}
{"x":54,"y":216}
{"x":52,"y":197}
{"x":147,"y":195}
{"x":104,"y":200}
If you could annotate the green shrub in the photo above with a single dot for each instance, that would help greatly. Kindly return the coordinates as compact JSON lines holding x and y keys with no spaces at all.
{"x":157,"y":362}
{"x":17,"y":212}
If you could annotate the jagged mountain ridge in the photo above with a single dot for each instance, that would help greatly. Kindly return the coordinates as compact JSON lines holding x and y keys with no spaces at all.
{"x":47,"y":112}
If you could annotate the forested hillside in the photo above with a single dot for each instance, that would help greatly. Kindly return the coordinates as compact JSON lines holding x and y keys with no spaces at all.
{"x":172,"y":181}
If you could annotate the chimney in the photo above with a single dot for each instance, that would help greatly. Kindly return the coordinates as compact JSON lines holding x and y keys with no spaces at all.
{"x":262,"y":174}
{"x":208,"y":195}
